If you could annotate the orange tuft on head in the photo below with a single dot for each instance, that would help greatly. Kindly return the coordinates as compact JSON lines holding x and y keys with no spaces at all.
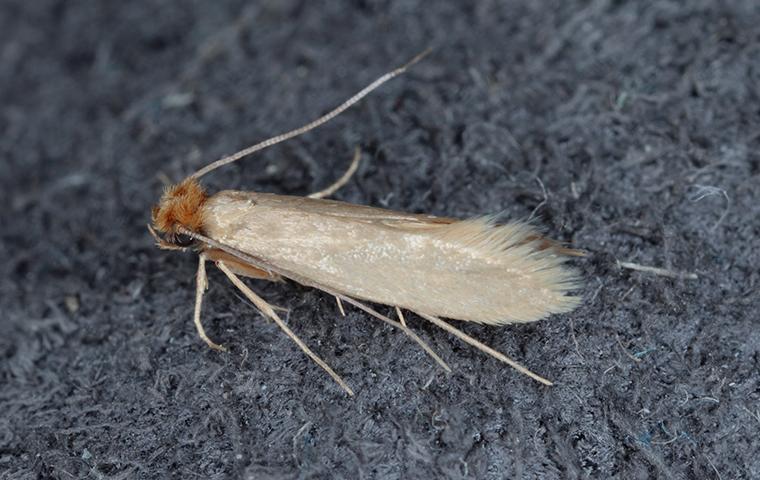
{"x":180,"y":206}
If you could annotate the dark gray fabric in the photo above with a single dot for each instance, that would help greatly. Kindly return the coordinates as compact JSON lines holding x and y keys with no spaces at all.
{"x":627,"y":128}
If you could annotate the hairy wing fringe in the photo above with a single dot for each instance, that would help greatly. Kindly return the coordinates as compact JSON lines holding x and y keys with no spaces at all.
{"x":519,"y":248}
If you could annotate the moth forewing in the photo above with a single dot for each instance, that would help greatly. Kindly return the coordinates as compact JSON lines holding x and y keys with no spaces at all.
{"x":469,"y":270}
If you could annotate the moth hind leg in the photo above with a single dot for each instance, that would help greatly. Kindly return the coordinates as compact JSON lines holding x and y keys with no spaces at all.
{"x":483,"y":347}
{"x":269,"y":311}
{"x":343,"y":179}
{"x":398,"y":325}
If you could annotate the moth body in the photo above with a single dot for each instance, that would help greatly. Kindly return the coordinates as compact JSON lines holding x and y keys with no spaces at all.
{"x":471,"y":270}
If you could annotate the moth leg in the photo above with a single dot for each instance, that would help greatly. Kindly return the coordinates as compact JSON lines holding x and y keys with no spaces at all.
{"x":340,"y":306}
{"x":483,"y":347}
{"x":342,"y":180}
{"x":400,"y":316}
{"x":239,"y":267}
{"x":393,"y":323}
{"x":267,"y":310}
{"x":201,"y":284}
{"x":243,"y":269}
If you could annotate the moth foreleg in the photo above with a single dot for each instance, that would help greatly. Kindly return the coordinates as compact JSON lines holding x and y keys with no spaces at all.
{"x":483,"y":347}
{"x":343,"y":179}
{"x":201,"y":284}
{"x":268,"y":310}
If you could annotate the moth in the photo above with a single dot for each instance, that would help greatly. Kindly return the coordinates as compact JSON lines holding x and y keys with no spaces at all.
{"x":472,"y":270}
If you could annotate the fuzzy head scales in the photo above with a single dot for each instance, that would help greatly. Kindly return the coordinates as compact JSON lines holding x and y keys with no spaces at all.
{"x":180,"y":206}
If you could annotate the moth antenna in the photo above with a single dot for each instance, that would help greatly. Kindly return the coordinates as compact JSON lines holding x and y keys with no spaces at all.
{"x":312,"y":125}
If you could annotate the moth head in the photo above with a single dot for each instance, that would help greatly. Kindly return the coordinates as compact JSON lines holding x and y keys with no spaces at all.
{"x":180,"y":208}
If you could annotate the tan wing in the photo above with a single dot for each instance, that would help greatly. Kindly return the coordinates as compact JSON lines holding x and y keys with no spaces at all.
{"x":389,"y":218}
{"x":468,"y":270}
{"x":333,"y":208}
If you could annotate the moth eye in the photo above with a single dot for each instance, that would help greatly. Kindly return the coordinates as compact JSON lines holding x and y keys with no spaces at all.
{"x":181,"y":240}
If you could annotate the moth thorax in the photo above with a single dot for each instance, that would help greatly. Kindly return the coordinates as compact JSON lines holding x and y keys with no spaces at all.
{"x":180,"y":206}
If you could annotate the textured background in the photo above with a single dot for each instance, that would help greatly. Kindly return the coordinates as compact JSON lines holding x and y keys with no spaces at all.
{"x":630,"y":128}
